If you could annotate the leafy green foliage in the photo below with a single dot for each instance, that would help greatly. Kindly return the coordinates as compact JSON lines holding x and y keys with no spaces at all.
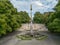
{"x":24,"y":17}
{"x":52,"y":20}
{"x":38,"y":18}
{"x":54,"y":26}
{"x":2,"y":26}
{"x":10,"y":19}
{"x":53,"y":23}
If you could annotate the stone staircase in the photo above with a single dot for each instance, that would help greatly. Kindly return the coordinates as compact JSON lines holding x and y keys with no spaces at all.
{"x":40,"y":27}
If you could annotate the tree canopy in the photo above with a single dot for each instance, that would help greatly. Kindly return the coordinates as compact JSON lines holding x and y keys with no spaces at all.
{"x":52,"y":19}
{"x":10,"y":19}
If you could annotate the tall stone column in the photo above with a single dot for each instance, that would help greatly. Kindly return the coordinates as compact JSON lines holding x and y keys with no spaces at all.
{"x":31,"y":23}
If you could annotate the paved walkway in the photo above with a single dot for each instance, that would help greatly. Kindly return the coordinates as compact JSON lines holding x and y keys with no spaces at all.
{"x":11,"y":39}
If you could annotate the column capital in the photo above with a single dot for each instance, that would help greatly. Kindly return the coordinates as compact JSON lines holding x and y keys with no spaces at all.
{"x":31,"y":7}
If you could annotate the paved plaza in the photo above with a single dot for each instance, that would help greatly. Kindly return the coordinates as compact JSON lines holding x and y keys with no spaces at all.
{"x":11,"y":39}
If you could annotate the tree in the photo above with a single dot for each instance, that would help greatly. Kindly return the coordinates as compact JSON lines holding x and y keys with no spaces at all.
{"x":24,"y":16}
{"x":54,"y":26}
{"x":38,"y":18}
{"x":53,"y":23}
{"x":10,"y":19}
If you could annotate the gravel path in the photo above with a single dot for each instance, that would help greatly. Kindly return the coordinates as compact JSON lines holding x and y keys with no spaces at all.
{"x":11,"y":39}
